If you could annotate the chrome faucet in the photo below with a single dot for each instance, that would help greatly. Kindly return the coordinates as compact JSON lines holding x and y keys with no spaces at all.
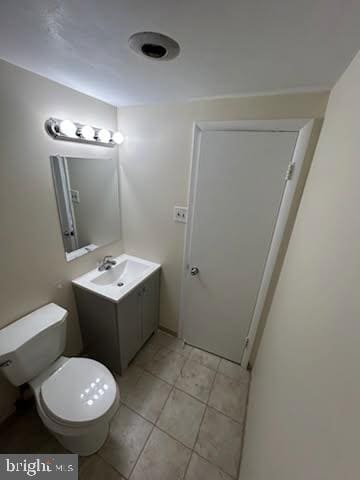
{"x":106,"y":263}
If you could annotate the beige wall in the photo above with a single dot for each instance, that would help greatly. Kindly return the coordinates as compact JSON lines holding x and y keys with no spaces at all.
{"x":155,"y":162}
{"x":32,"y":256}
{"x":303,"y":419}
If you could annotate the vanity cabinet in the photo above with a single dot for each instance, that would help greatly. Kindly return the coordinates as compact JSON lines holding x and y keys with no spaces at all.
{"x":114,"y":332}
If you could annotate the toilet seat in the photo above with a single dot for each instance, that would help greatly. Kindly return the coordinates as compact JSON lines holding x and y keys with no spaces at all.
{"x":79,"y":393}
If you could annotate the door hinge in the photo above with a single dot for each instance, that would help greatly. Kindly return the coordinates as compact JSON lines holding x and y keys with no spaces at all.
{"x":290,"y":171}
{"x":247,"y":340}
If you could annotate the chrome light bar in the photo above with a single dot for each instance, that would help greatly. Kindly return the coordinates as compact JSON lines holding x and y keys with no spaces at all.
{"x":78,"y":132}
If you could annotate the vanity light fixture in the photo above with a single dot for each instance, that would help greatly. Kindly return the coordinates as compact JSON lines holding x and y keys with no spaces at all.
{"x":87,"y":132}
{"x":103,"y":135}
{"x":68,"y":128}
{"x":77,"y":132}
{"x":118,"y":138}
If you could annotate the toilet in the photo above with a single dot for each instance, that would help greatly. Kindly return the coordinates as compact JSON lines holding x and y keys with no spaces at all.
{"x":76,"y":398}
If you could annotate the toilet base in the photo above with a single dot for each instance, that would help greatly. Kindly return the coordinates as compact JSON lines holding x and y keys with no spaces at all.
{"x":85,"y":444}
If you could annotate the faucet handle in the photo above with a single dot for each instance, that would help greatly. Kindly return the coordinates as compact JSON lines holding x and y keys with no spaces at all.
{"x":109,"y":259}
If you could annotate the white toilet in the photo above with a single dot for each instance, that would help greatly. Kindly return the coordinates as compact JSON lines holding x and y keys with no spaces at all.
{"x":75,"y":397}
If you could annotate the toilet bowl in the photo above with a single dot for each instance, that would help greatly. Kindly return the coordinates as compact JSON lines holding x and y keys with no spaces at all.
{"x":76,"y":403}
{"x":75,"y":397}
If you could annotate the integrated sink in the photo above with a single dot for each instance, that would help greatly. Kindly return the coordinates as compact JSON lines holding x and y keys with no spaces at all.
{"x":124,"y":272}
{"x":120,"y":279}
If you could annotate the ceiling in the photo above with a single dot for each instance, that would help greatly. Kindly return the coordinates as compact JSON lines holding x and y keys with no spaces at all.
{"x":228,"y":47}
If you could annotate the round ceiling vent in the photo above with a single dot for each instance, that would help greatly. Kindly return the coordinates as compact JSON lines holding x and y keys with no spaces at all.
{"x":155,"y":46}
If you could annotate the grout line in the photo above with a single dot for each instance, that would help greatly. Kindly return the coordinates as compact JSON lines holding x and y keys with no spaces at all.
{"x":141,"y":451}
{"x":192,"y":450}
{"x":150,"y":433}
{"x":198,"y":433}
{"x":189,"y":394}
{"x":188,"y":464}
{"x":244,"y":427}
{"x":214,"y":464}
{"x":121,"y":475}
{"x":240,"y":422}
{"x":211,"y":389}
{"x":206,"y":404}
{"x":137,"y":413}
{"x":164,"y":404}
{"x":192,"y":396}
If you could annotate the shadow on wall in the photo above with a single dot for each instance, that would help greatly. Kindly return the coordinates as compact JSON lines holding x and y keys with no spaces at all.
{"x":7,"y":398}
{"x":286,"y":238}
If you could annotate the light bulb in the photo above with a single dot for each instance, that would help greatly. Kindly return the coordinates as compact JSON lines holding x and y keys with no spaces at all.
{"x":118,"y":138}
{"x":87,"y":132}
{"x":68,"y":128}
{"x":103,"y":135}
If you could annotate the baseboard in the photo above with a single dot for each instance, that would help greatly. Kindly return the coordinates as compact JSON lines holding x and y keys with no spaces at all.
{"x":168,"y":330}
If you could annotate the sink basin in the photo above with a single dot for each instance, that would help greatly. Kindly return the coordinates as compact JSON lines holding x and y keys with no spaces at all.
{"x":119,"y":280}
{"x":124,"y":272}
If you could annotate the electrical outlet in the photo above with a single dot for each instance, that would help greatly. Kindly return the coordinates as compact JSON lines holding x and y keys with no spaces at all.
{"x":180,"y":214}
{"x":75,"y":196}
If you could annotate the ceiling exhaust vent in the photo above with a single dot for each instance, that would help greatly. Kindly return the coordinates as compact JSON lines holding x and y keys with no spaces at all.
{"x":155,"y":46}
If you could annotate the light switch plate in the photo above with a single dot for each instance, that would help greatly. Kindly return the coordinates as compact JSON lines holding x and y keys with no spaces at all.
{"x":75,"y":196}
{"x":180,"y":214}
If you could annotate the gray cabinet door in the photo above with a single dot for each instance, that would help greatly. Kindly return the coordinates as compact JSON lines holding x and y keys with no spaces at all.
{"x":98,"y":327}
{"x":150,"y":303}
{"x":129,"y":326}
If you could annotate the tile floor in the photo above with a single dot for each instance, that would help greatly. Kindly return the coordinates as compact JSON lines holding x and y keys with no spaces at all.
{"x":181,"y":416}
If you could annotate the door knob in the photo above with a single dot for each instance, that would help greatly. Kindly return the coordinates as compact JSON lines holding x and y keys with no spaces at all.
{"x":194,"y":271}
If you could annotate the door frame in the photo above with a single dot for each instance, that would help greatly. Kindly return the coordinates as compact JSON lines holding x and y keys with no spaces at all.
{"x":61,"y":180}
{"x":304,"y":128}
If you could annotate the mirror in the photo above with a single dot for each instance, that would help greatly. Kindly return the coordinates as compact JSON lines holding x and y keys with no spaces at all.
{"x":87,"y":196}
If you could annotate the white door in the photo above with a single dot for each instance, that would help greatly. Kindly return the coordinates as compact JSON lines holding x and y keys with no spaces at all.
{"x":238,"y":183}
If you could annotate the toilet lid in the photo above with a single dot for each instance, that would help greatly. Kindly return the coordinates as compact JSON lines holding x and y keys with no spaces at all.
{"x":79,"y":392}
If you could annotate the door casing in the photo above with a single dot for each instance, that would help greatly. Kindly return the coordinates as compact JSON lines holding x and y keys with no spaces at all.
{"x":304,"y":128}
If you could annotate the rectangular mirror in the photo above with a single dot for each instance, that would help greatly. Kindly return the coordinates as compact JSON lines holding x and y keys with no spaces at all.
{"x":87,"y":196}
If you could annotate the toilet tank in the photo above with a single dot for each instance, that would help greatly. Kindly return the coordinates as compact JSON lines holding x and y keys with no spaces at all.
{"x":29,"y":345}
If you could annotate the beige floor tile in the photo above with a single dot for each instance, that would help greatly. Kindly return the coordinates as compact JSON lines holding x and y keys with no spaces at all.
{"x":148,"y":396}
{"x":207,"y":359}
{"x":128,"y":381}
{"x":166,"y":364}
{"x":219,"y":441}
{"x":146,"y":354}
{"x":128,"y":435}
{"x":183,"y":348}
{"x":196,"y":380}
{"x":82,"y":460}
{"x":229,"y":396}
{"x":233,"y":370}
{"x":163,"y":458}
{"x":95,"y":468}
{"x":181,"y":417}
{"x":162,"y":339}
{"x":200,"y":469}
